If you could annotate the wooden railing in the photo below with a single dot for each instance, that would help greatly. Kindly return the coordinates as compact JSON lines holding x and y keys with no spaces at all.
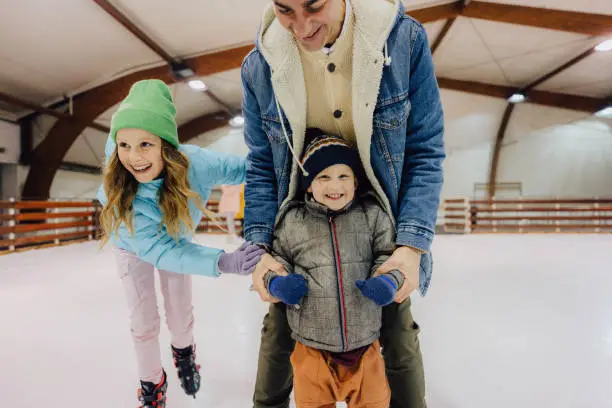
{"x":528,"y":215}
{"x":35,"y":224}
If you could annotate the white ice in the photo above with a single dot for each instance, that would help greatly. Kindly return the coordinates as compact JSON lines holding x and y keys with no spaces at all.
{"x":510,"y":321}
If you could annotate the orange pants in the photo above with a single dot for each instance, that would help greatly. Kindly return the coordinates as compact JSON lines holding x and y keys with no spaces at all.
{"x":319,"y":382}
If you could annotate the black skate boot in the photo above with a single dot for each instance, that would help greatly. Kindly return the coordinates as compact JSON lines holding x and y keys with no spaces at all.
{"x":187,"y":369}
{"x":152,"y":395}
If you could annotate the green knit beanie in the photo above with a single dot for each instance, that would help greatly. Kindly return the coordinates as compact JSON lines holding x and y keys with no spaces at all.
{"x":148,"y":106}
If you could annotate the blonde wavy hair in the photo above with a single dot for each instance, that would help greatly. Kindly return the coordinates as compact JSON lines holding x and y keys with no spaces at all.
{"x":120,"y":187}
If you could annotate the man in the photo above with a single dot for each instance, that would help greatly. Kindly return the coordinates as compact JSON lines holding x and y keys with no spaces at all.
{"x":363,"y":70}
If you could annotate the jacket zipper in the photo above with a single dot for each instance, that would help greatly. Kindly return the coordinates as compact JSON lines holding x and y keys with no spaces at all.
{"x":341,"y":304}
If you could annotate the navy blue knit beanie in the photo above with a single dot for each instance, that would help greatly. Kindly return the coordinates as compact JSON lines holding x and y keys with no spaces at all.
{"x":324,"y":151}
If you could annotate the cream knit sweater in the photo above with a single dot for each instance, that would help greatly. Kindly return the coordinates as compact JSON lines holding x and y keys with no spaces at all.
{"x":328,"y":85}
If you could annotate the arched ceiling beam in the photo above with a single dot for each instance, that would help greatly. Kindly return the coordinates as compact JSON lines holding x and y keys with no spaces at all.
{"x":202,"y":124}
{"x":175,"y":63}
{"x":559,"y":69}
{"x":13,"y":100}
{"x":496,"y":152}
{"x":528,"y":92}
{"x":89,"y":105}
{"x":553,"y":99}
{"x":435,"y":13}
{"x":131,"y":27}
{"x":447,"y":26}
{"x":561,"y":20}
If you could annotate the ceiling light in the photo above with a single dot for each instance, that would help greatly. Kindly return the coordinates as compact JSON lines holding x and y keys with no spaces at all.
{"x":197,"y":85}
{"x":237,"y":121}
{"x":604,"y":46}
{"x":604,"y":113}
{"x":516,"y":97}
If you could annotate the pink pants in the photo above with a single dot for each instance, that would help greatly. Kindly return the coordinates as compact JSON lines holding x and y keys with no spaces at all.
{"x":138,"y":280}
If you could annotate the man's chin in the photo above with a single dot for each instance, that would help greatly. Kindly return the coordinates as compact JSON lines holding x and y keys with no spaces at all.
{"x":312,"y":48}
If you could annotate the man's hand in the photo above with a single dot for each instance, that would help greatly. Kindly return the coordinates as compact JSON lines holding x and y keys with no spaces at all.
{"x":267,"y":263}
{"x":406,"y":260}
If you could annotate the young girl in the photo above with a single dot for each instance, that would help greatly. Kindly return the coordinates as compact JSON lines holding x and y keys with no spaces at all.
{"x":154,"y":193}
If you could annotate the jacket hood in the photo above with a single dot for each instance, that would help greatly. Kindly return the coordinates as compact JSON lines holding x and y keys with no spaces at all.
{"x":372,"y":17}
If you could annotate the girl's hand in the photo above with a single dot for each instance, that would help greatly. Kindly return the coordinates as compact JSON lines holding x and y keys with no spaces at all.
{"x":242,"y":261}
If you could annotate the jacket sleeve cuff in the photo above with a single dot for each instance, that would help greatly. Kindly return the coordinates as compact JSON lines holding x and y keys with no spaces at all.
{"x":259,"y":235}
{"x":397,"y":276}
{"x":414,"y":237}
{"x":268,"y":278}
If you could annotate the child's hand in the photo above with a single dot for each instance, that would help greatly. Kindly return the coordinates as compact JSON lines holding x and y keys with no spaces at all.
{"x":380,"y":289}
{"x":242,"y":261}
{"x":289,"y":289}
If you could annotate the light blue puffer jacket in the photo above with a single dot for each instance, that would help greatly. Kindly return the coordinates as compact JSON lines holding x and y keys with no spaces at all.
{"x":151,"y":243}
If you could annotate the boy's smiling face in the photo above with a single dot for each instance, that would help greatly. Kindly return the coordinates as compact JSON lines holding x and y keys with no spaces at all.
{"x":334,"y":187}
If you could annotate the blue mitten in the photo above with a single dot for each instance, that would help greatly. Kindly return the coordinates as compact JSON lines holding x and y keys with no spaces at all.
{"x":289,"y":289}
{"x":380,"y":289}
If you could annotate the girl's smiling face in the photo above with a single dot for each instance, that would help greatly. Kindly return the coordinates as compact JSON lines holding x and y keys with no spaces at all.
{"x":140,"y":152}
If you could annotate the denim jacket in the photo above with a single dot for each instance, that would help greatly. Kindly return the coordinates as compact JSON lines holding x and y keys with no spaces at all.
{"x":397,"y":113}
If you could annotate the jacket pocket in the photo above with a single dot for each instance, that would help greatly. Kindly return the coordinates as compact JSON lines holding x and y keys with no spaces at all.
{"x":389,"y":138}
{"x":390,"y":127}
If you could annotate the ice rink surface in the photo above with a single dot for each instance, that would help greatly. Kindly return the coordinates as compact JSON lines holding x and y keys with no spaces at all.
{"x":510,"y":321}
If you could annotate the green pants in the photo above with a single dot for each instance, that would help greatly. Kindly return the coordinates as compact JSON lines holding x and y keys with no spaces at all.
{"x":401,"y":351}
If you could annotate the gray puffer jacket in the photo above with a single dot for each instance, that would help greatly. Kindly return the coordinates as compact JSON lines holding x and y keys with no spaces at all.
{"x":333,"y":250}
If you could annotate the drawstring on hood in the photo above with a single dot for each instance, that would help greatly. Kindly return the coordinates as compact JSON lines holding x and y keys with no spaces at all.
{"x":387,"y":57}
{"x":280,"y":117}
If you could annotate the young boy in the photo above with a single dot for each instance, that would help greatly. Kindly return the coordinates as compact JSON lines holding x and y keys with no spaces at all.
{"x":331,"y":242}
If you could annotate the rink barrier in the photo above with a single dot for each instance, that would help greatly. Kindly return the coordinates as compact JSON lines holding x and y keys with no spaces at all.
{"x":527,"y":215}
{"x":34,"y":224}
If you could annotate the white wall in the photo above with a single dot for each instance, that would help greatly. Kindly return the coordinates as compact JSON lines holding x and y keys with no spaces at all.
{"x":10,"y":140}
{"x":556,"y":152}
{"x":225,"y":140}
{"x":233,"y":143}
{"x":552,"y":152}
{"x":471,"y":122}
{"x":69,"y":184}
